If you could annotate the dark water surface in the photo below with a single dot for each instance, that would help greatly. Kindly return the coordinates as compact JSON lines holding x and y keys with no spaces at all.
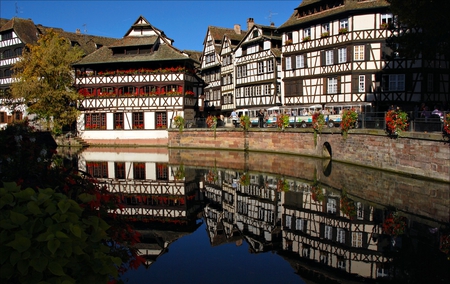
{"x":235,"y":217}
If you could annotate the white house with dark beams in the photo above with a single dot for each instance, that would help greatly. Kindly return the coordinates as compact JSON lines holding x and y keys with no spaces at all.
{"x":134,"y":88}
{"x":258,"y":68}
{"x":336,"y":51}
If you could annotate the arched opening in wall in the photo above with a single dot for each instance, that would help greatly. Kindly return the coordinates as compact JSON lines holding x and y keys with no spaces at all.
{"x":327,"y":153}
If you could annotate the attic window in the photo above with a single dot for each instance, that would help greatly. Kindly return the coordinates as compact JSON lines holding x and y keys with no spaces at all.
{"x":98,"y":46}
{"x":255,"y":34}
{"x":7,"y":35}
{"x":74,"y":43}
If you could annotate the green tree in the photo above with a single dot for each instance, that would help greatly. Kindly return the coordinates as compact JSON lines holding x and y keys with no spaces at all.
{"x":43,"y":80}
{"x":427,"y":29}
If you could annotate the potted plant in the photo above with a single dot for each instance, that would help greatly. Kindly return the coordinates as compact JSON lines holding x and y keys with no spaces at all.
{"x":343,"y":31}
{"x":347,"y":205}
{"x":394,"y":224}
{"x":325,"y":34}
{"x":396,"y":122}
{"x":288,"y":42}
{"x":244,"y":180}
{"x":349,"y":120}
{"x":306,"y":38}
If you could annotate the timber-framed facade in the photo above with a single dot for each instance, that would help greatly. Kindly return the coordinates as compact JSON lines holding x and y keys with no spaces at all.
{"x":140,"y":82}
{"x":337,"y":52}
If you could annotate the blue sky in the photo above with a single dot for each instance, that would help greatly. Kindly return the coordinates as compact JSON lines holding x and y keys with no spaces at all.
{"x":184,"y":21}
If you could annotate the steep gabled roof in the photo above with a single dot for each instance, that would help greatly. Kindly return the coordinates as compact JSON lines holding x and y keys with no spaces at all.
{"x":24,"y":29}
{"x":349,"y":5}
{"x":142,"y":22}
{"x":275,"y":35}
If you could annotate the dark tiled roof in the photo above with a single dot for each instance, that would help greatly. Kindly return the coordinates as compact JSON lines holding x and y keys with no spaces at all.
{"x":349,"y":5}
{"x":135,"y":41}
{"x":194,"y":54}
{"x":105,"y":55}
{"x":276,"y":52}
{"x":88,"y":43}
{"x":25,"y":29}
{"x":3,"y":21}
{"x":217,"y":33}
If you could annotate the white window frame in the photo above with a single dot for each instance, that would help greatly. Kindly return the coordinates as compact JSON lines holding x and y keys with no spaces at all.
{"x":343,"y":23}
{"x":300,"y":224}
{"x":307,"y":32}
{"x":358,"y":54}
{"x":359,"y":211}
{"x":332,"y":85}
{"x":331,"y":205}
{"x":329,"y":57}
{"x":340,"y":235}
{"x":288,"y":63}
{"x":300,"y":61}
{"x":288,"y":219}
{"x":387,"y":18}
{"x":269,"y":65}
{"x":326,"y":28}
{"x":328,"y":232}
{"x":357,"y":239}
{"x":342,"y":55}
{"x":361,"y":83}
{"x":260,"y":67}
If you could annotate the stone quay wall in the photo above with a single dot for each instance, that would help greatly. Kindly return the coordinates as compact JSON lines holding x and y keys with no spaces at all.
{"x":424,"y":155}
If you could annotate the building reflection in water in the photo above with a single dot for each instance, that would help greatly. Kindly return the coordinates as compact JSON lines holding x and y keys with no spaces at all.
{"x":326,"y":233}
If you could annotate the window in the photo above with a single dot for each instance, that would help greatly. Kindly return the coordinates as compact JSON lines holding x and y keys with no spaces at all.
{"x":95,"y":121}
{"x":329,"y":57}
{"x":325,"y":28}
{"x":340,"y":235}
{"x":242,"y":71}
{"x":332,"y":85}
{"x":162,"y":171}
{"x":8,"y":54}
{"x":361,"y":83}
{"x":359,"y":211}
{"x":7,"y":73}
{"x":261,"y":67}
{"x":269,"y":66}
{"x":359,"y":52}
{"x":300,"y":225}
{"x":307,"y":32}
{"x":288,"y":221}
{"x":97,"y":169}
{"x":300,"y":61}
{"x":139,"y":171}
{"x":306,"y":251}
{"x":255,"y":34}
{"x":430,"y":82}
{"x":342,"y":55}
{"x":341,"y":263}
{"x":18,"y":51}
{"x":7,"y":35}
{"x":3,"y":117}
{"x":161,"y":120}
{"x":119,"y":170}
{"x":138,"y":120}
{"x":394,"y":82}
{"x":118,"y":120}
{"x":357,"y":239}
{"x":343,"y":24}
{"x":331,"y":206}
{"x":288,"y":63}
{"x":328,"y":234}
{"x":323,"y":257}
{"x":387,"y":19}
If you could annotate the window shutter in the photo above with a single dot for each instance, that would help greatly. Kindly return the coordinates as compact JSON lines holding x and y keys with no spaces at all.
{"x":339,"y":84}
{"x":322,"y":230}
{"x":335,"y":56}
{"x":355,"y":84}
{"x":349,"y":53}
{"x":367,"y":52}
{"x":300,"y":87}
{"x":322,"y":58}
{"x":293,"y":62}
{"x":369,"y":84}
{"x":305,"y":62}
{"x":283,"y":63}
{"x":325,"y":86}
{"x":408,"y":82}
{"x":436,"y":81}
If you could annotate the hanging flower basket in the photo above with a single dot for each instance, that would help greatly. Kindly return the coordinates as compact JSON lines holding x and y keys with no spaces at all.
{"x":211,"y":177}
{"x":317,"y":193}
{"x":211,"y":122}
{"x":349,"y":120}
{"x":282,"y":185}
{"x":282,"y":121}
{"x":244,"y":180}
{"x":394,"y":225}
{"x":245,"y":122}
{"x":179,"y":174}
{"x":446,"y":129}
{"x":396,"y":122}
{"x":347,"y":205}
{"x":318,"y":121}
{"x":179,"y":122}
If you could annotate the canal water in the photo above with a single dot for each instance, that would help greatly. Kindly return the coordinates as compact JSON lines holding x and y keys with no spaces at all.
{"x":236,"y":217}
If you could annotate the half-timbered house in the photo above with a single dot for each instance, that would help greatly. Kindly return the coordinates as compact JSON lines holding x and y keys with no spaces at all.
{"x":15,"y":34}
{"x":257,"y":67}
{"x":135,"y":87}
{"x":217,"y":51}
{"x":335,"y":51}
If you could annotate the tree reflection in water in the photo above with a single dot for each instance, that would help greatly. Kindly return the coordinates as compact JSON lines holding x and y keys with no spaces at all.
{"x":270,"y":227}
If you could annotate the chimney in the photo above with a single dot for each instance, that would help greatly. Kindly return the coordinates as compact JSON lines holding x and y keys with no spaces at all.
{"x":272,"y":24}
{"x":237,"y":29}
{"x":78,"y":31}
{"x":250,"y":23}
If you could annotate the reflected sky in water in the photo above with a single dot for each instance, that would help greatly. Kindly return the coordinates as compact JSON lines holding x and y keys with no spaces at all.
{"x":192,"y":259}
